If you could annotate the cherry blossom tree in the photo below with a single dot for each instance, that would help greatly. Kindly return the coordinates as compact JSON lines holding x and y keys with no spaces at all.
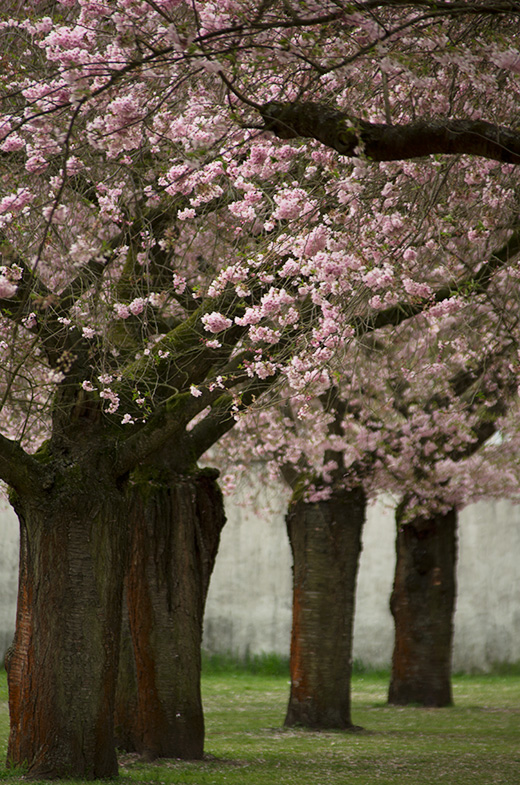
{"x":392,"y":424}
{"x":166,"y":261}
{"x":424,"y":590}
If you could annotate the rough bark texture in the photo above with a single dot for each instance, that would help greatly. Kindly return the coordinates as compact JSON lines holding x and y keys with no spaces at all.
{"x":125,"y":713}
{"x":422,"y":604}
{"x":176,"y":532}
{"x":326,"y":542}
{"x":62,"y":667}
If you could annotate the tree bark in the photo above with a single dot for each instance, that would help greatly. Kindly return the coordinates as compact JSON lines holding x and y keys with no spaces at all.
{"x":326,"y":542}
{"x":126,"y":702}
{"x":62,"y":666}
{"x":422,"y":604}
{"x":176,"y":532}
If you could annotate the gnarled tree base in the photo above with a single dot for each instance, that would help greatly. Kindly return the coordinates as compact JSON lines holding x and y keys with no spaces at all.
{"x":176,"y":523}
{"x":62,"y":667}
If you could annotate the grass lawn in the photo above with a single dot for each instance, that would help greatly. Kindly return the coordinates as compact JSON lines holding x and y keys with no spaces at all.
{"x":476,"y":742}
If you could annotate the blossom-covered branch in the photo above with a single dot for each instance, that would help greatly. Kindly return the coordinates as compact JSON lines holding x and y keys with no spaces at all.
{"x":475,"y":284}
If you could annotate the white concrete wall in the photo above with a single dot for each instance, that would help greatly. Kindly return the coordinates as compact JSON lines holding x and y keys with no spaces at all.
{"x":487,"y":619}
{"x":249,"y":601}
{"x":8,"y":575}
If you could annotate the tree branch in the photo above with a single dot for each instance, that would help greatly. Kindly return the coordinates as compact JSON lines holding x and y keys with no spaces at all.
{"x":352,"y":136}
{"x":17,"y":468}
{"x":221,"y":420}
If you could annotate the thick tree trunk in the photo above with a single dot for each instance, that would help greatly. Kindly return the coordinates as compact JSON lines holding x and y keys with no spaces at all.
{"x":422,"y":604}
{"x":62,"y":667}
{"x":176,"y":532}
{"x":326,"y":542}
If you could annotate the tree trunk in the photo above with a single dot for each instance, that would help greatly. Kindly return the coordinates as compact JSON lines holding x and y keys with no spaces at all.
{"x":422,"y":604}
{"x":62,"y":666}
{"x":326,"y":542}
{"x":176,"y":532}
{"x":125,"y":713}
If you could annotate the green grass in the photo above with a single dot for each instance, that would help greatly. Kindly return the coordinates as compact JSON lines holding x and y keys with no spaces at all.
{"x":256,"y":664}
{"x":475,"y":742}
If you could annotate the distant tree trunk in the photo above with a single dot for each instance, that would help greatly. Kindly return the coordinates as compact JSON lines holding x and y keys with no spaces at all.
{"x":422,"y":604}
{"x":176,"y":532}
{"x":62,"y":666}
{"x":325,"y":541}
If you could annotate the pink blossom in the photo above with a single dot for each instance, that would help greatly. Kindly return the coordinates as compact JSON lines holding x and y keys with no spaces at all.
{"x":315,"y":495}
{"x":316,"y":241}
{"x":265,"y":334}
{"x":36,"y":164}
{"x":290,"y":268}
{"x":137,"y":306}
{"x":5,"y":126}
{"x":15,"y":203}
{"x":195,"y":391}
{"x":290,"y":317}
{"x":292,"y":203}
{"x":379,"y":277}
{"x":376,"y":302}
{"x":30,"y":321}
{"x":112,"y":398}
{"x":187,"y":214}
{"x":416,"y":289}
{"x":56,"y":213}
{"x":215,"y":322}
{"x":7,"y":287}
{"x":122,"y":310}
{"x":264,"y":369}
{"x":273,"y":301}
{"x":179,"y":283}
{"x":252,"y":315}
{"x":242,"y":210}
{"x":217,"y":384}
{"x":74,"y":165}
{"x":229,"y":484}
{"x":508,"y":59}
{"x":446,"y":308}
{"x":13,"y":143}
{"x":410,"y":255}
